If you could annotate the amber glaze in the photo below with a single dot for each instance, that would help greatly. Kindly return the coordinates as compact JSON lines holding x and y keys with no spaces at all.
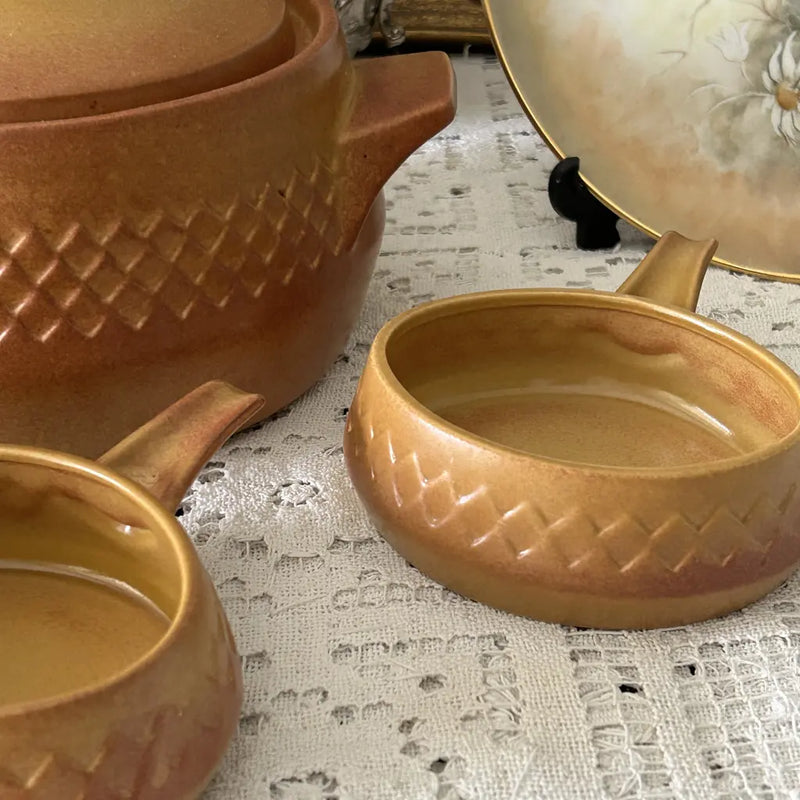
{"x":120,"y":678}
{"x":588,"y":458}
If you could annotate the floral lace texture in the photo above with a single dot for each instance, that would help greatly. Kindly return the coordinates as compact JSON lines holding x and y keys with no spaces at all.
{"x":364,"y":680}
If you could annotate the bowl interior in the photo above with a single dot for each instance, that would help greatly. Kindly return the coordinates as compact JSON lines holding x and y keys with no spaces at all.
{"x":84,"y":592}
{"x":606,"y":383}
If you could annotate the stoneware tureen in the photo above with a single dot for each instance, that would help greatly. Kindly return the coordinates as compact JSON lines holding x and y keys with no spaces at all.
{"x":190,"y":190}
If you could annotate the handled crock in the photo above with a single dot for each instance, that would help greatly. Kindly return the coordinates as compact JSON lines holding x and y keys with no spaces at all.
{"x":157,"y":728}
{"x":620,"y":523}
{"x":228,"y":234}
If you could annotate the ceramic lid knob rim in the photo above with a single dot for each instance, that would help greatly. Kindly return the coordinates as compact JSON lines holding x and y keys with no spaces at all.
{"x":87,"y":57}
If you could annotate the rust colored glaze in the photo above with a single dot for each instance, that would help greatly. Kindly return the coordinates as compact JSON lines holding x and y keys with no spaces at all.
{"x":588,"y":458}
{"x":191,"y":47}
{"x":120,"y":677}
{"x":225,"y":235}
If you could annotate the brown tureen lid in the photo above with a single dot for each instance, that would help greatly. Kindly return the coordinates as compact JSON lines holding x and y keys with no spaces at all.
{"x":83,"y":57}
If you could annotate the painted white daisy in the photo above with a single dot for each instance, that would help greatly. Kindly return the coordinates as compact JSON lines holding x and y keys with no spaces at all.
{"x":781,"y":100}
{"x":782,"y":81}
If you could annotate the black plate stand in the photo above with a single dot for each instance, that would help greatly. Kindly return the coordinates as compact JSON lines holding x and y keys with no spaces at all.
{"x":596,"y":224}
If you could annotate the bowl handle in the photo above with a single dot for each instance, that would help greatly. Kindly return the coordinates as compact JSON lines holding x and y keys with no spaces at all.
{"x":166,"y":454}
{"x":672,"y":272}
{"x":400,"y":102}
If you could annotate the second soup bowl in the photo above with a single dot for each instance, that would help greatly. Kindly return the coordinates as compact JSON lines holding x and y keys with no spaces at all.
{"x":589,"y":458}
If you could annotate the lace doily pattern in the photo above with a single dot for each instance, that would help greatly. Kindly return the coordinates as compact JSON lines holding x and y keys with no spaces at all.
{"x":364,"y":680}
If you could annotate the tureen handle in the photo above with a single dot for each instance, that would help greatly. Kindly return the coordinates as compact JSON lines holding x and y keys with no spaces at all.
{"x":399,"y":103}
{"x":165,"y":454}
{"x":672,"y":272}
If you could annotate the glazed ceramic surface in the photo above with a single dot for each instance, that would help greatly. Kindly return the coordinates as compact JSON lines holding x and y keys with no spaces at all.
{"x":120,"y":678}
{"x":228,"y":234}
{"x":685,"y":115}
{"x":131,"y":54}
{"x":588,"y":458}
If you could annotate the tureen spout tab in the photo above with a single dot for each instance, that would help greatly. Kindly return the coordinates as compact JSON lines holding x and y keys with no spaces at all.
{"x":399,"y":104}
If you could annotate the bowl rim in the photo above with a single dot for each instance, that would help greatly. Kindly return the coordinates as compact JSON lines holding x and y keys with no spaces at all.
{"x":583,"y":298}
{"x":163,"y":524}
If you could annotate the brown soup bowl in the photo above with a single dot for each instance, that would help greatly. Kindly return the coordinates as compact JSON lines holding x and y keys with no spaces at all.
{"x":120,"y":679}
{"x":589,"y":458}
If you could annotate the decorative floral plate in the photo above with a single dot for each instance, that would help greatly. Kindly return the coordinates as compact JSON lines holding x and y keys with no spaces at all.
{"x":685,"y":114}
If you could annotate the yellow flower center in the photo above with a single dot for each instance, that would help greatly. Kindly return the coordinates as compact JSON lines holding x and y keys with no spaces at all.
{"x":788,"y":98}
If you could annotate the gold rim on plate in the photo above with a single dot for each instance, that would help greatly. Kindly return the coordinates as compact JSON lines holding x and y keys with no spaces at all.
{"x":511,"y":60}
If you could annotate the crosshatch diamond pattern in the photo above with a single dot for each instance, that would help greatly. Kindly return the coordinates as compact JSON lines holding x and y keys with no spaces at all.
{"x":137,"y":759}
{"x":129,"y":765}
{"x":525,"y":531}
{"x":173,"y":257}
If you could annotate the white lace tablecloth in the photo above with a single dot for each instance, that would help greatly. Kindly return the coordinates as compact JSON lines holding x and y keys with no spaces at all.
{"x":363,"y":679}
